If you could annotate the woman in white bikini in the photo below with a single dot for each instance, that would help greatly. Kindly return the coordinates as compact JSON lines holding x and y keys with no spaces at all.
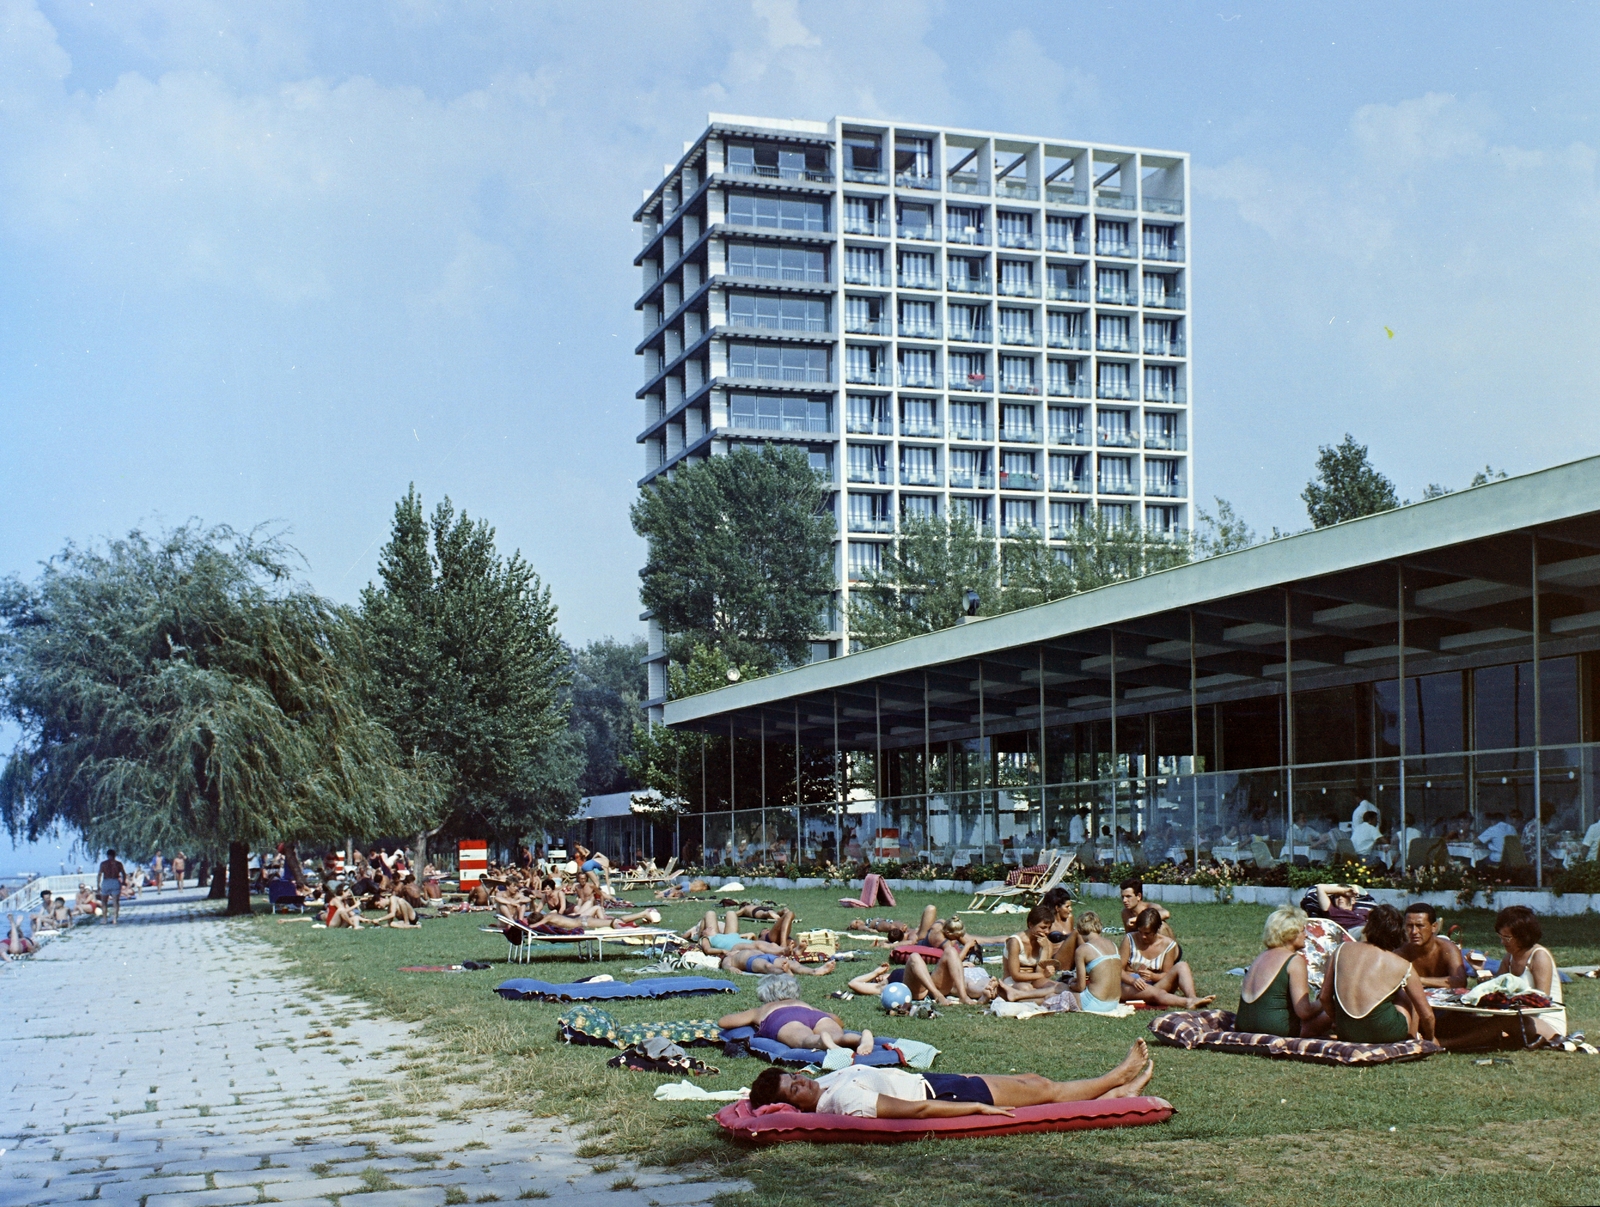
{"x":1030,"y":960}
{"x":1520,"y":934}
{"x":1151,"y":968}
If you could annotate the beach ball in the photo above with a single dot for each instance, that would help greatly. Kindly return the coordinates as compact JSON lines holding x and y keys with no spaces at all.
{"x":894,"y":994}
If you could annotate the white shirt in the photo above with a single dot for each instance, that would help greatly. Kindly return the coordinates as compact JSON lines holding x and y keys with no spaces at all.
{"x":1075,"y":830}
{"x":854,"y":1091}
{"x":1591,"y":839}
{"x":1363,"y":836}
{"x":1495,"y":838}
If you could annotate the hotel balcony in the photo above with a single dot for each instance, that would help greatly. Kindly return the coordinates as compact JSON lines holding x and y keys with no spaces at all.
{"x":1075,"y":247}
{"x":921,"y":330}
{"x":970,"y":479}
{"x":1011,"y":433}
{"x":1115,"y":392}
{"x":1165,"y":490}
{"x":1060,"y":388}
{"x":866,"y":377}
{"x":860,"y":425}
{"x":1020,"y":242}
{"x":1106,"y":199}
{"x":1116,"y":487}
{"x":972,"y":236}
{"x":969,"y":431}
{"x":1073,"y":486}
{"x":875,"y":278}
{"x":909,"y":180}
{"x":1163,"y":301}
{"x":1176,"y":395}
{"x":1019,"y":289}
{"x":860,"y":226}
{"x":1122,"y":250}
{"x":880,"y":524}
{"x":1118,"y":439}
{"x":861,"y":176}
{"x":878,"y":476}
{"x":973,"y":383}
{"x":1115,"y":343}
{"x":1075,"y":340}
{"x":1020,"y":385}
{"x":1174,"y":442}
{"x":1067,"y":293}
{"x":866,"y":326}
{"x":969,"y":184}
{"x":922,"y":429}
{"x":1019,"y":189}
{"x":768,"y":172}
{"x":1065,"y":194}
{"x":971,"y":335}
{"x":920,"y":234}
{"x":1017,"y":527}
{"x":918,"y":477}
{"x":1070,"y":437}
{"x":917,"y":280}
{"x":1018,"y":338}
{"x":968,"y":284}
{"x":1162,"y":205}
{"x":921,"y":379}
{"x":1174,"y":253}
{"x":1164,"y":347}
{"x":1110,"y":295}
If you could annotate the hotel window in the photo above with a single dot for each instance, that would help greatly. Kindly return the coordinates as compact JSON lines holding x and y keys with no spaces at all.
{"x":1162,"y":338}
{"x":916,"y":268}
{"x":969,"y":368}
{"x":967,"y":468}
{"x":1066,"y":327}
{"x":1016,"y":470}
{"x":1160,"y":288}
{"x":869,"y":513}
{"x":916,"y":318}
{"x":966,"y":272}
{"x":1015,"y":229}
{"x":1016,"y":326}
{"x":863,"y":316}
{"x":774,"y":312}
{"x":972,"y":511}
{"x":761,"y":260}
{"x":917,"y":368}
{"x":916,"y":221}
{"x":1066,"y":423}
{"x":779,"y":413}
{"x":1066,"y":279}
{"x":1016,"y":514}
{"x":1016,"y":276}
{"x":919,"y":417}
{"x":1016,"y":422}
{"x":862,"y":153}
{"x":770,"y":362}
{"x":869,"y":463}
{"x":1163,"y":520}
{"x":866,"y":559}
{"x":1161,"y":476}
{"x":968,"y":322}
{"x":861,"y":216}
{"x":863,"y":363}
{"x":919,"y":467}
{"x":1066,"y":471}
{"x":967,"y":420}
{"x":1159,"y":242}
{"x":1118,"y":515}
{"x":863,"y":265}
{"x":913,"y":157}
{"x":1066,"y":516}
{"x":1112,"y":332}
{"x":1016,"y":373}
{"x":1114,"y":381}
{"x":919,"y":507}
{"x":1160,"y":430}
{"x":964,"y":224}
{"x":785,"y":162}
{"x":776,"y":213}
{"x":1161,"y":384}
{"x":1116,"y":475}
{"x":1115,"y":428}
{"x":867,"y":414}
{"x":1113,"y":286}
{"x":1111,"y":238}
{"x":1063,"y":232}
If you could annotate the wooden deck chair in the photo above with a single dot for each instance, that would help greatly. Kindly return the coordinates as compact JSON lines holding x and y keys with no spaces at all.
{"x":1024,"y":886}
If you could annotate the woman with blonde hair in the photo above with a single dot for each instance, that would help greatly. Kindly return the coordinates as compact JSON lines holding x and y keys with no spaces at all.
{"x":1275,"y":998}
{"x":1098,"y":977}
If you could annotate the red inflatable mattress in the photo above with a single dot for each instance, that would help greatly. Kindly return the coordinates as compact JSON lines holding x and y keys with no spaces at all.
{"x":739,"y":1122}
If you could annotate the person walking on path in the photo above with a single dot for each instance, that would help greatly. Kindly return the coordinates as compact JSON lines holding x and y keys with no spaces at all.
{"x":112,"y":875}
{"x":178,"y":869}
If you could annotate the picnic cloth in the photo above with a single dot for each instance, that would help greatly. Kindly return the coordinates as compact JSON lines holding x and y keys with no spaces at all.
{"x":660,"y":1056}
{"x":586,"y":1024}
{"x":521,"y":989}
{"x":1213,"y":1029}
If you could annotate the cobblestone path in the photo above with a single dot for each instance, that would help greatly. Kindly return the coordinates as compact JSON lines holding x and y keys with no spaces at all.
{"x":171,"y":1062}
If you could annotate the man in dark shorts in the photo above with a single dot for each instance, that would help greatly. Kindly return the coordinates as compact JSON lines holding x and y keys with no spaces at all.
{"x":112,"y":874}
{"x":1438,"y":961}
{"x":890,"y":1093}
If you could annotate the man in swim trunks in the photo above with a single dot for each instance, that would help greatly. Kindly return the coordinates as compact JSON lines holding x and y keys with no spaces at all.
{"x":112,"y":874}
{"x":1438,"y":962}
{"x":885,"y":1093}
{"x":1370,"y":992}
{"x":1133,"y":904}
{"x":750,"y":957}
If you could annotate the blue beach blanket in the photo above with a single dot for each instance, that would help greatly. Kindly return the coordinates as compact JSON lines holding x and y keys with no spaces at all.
{"x":883,"y":1053}
{"x":520,"y":989}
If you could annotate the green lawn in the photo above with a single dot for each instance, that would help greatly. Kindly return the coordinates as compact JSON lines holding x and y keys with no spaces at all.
{"x":1247,"y":1130}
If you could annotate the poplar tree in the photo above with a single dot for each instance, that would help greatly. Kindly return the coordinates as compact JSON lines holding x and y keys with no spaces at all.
{"x":1347,"y":486}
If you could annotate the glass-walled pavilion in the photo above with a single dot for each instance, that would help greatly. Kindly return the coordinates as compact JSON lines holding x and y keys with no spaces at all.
{"x":1430,"y":671}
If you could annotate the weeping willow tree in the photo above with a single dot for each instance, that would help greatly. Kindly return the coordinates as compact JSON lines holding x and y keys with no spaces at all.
{"x":181,"y":690}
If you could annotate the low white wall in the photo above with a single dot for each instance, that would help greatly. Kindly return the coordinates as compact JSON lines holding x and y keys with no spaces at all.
{"x":1544,"y":903}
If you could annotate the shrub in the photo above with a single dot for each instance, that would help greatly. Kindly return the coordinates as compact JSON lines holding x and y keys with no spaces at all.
{"x":1579,"y":878}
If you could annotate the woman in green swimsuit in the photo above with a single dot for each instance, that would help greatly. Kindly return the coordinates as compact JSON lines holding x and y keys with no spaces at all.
{"x":1370,"y":992}
{"x":1275,"y":998}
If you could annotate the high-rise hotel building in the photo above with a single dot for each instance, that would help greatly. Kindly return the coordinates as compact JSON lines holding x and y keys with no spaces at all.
{"x":949,"y":322}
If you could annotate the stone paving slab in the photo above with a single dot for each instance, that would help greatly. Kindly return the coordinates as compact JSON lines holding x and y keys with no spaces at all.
{"x":169,"y":1090}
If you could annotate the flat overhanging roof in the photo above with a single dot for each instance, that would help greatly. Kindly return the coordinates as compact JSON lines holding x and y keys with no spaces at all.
{"x":1330,"y":597}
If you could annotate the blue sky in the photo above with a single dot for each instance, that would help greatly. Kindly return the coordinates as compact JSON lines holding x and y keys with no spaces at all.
{"x":273,"y":261}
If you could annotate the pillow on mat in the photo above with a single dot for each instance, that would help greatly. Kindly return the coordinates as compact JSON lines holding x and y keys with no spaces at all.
{"x":883,"y":1052}
{"x":740,"y":1122}
{"x":1213,"y":1029}
{"x":523,"y":988}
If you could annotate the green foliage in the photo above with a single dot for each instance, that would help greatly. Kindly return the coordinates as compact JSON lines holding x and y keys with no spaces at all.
{"x":1581,"y":877}
{"x":740,"y":555}
{"x":1224,"y":531}
{"x":466,"y":669}
{"x":927,"y":570}
{"x":1346,"y":486}
{"x":178,"y":690}
{"x":1487,"y":475}
{"x":608,"y":682}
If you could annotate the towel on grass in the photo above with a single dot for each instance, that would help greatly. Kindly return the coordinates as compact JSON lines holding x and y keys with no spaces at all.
{"x":687,"y":1091}
{"x":524,"y":988}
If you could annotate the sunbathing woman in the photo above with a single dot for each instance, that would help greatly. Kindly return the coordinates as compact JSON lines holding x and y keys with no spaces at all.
{"x":1369,"y":992}
{"x":339,"y":911}
{"x":1098,"y":974}
{"x":970,"y":985}
{"x":1030,"y":960}
{"x":1275,"y":998}
{"x":17,"y":944}
{"x":1151,"y":968}
{"x":785,"y":1019}
{"x":748,"y":957}
{"x":1062,"y":933}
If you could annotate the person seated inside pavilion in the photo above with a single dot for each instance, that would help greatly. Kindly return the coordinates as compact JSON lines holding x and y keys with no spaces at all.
{"x":887,"y":1093}
{"x":783,"y":1018}
{"x":1153,"y":966}
{"x":1275,"y":998}
{"x":1371,"y":993}
{"x":1494,"y":838}
{"x":1337,"y":903}
{"x":1133,"y":904}
{"x":1437,"y":961}
{"x":948,"y":982}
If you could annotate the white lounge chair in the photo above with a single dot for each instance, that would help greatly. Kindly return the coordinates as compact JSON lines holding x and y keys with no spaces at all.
{"x":1022,"y":887}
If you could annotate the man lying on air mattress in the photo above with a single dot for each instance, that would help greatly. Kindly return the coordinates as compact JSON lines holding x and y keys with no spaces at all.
{"x":887,"y":1093}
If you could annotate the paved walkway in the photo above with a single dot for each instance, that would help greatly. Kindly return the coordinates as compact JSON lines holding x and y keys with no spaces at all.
{"x":170,"y":1062}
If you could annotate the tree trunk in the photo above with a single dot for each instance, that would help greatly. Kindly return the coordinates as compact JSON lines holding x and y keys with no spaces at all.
{"x":238,"y":878}
{"x":291,"y":860}
{"x":219,"y":883}
{"x":419,"y":858}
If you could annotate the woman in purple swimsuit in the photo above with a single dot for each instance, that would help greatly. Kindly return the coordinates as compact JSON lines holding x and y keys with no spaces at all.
{"x":784,"y":1018}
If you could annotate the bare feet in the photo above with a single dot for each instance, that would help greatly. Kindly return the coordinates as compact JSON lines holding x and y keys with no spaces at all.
{"x":864,"y":1048}
{"x":1194,"y":1003}
{"x":1132,"y":1063}
{"x":825,"y":969}
{"x":1135,"y":1087}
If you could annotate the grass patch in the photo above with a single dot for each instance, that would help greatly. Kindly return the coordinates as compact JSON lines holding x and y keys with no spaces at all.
{"x":623,"y":1183}
{"x":376,"y":1179}
{"x":532,"y":1193}
{"x":454,"y":1195}
{"x":1273,"y":1133}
